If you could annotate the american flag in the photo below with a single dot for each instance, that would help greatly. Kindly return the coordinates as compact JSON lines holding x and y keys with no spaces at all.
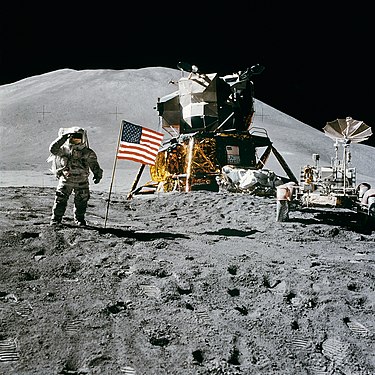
{"x":138,"y":143}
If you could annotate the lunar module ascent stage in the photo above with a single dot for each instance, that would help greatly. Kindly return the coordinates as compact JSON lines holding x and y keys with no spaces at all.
{"x":209,"y":122}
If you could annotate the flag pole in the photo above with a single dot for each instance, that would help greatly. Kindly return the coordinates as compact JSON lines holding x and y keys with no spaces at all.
{"x":112,"y":178}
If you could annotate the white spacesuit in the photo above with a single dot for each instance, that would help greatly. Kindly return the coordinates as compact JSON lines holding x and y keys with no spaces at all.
{"x":72,"y":160}
{"x":284,"y":195}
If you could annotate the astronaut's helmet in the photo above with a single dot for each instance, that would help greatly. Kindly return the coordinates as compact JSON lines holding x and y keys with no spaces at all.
{"x":78,"y":136}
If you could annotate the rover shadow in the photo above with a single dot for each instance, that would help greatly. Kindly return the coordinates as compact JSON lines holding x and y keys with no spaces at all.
{"x":346,"y":219}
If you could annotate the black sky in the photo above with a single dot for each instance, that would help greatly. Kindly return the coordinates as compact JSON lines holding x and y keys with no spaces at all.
{"x":318,"y":58}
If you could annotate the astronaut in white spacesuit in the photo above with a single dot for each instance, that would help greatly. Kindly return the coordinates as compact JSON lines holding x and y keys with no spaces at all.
{"x":284,"y":195}
{"x":72,"y":160}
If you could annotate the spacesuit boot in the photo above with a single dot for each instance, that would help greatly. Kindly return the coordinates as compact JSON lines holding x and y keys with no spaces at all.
{"x":55,"y":220}
{"x":80,"y":221}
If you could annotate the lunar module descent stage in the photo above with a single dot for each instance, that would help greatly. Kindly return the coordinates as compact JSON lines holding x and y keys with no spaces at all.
{"x":212,"y":141}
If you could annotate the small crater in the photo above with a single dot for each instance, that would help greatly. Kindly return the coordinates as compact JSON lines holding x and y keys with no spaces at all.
{"x":315,"y":264}
{"x":242,"y":309}
{"x":232,"y":270}
{"x":295,"y":325}
{"x":28,"y":275}
{"x":234,"y":356}
{"x":189,"y":306}
{"x":183,"y":291}
{"x":197,"y":356}
{"x":117,"y":307}
{"x":29,"y":235}
{"x":234,"y":292}
{"x":266,"y":282}
{"x":290,"y":296}
{"x":159,"y":341}
{"x":353,"y":286}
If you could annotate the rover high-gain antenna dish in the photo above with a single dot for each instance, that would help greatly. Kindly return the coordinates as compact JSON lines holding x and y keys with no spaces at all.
{"x":348,"y":129}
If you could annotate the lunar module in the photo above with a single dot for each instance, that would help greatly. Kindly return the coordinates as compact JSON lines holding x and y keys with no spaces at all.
{"x":212,"y":141}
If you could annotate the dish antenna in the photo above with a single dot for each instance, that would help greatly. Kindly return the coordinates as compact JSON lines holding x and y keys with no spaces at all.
{"x":348,"y":130}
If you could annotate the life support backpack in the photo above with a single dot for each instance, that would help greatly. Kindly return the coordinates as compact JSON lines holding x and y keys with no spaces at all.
{"x":58,"y":163}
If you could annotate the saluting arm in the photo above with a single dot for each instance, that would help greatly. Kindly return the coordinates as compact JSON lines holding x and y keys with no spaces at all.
{"x":57,"y":143}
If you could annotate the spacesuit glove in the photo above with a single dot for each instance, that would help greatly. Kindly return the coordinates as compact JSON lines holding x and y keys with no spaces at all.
{"x":96,"y":179}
